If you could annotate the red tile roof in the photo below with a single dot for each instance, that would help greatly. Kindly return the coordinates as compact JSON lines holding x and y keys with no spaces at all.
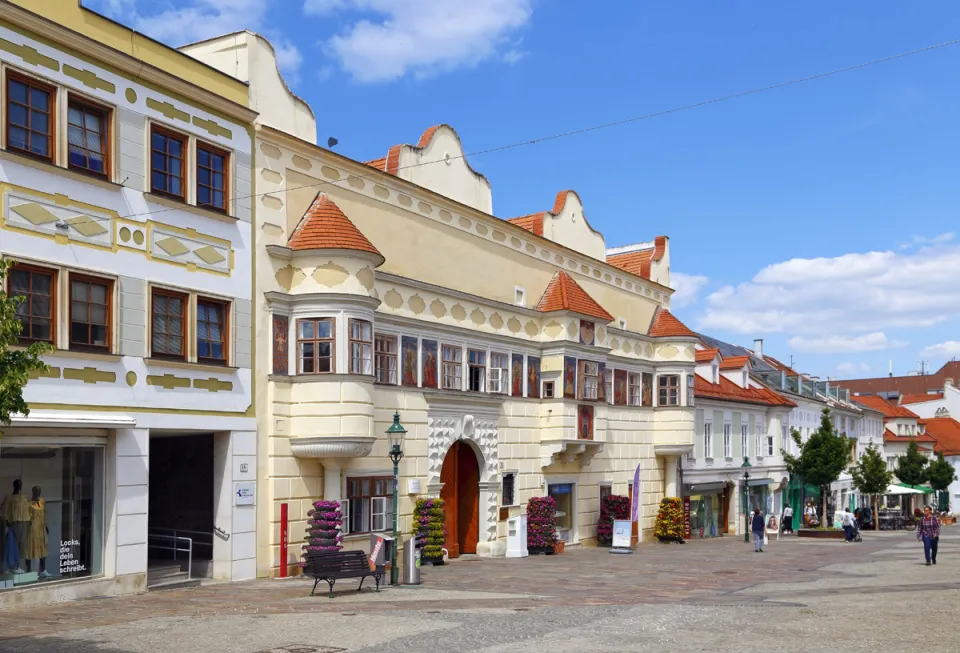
{"x":734,"y":362}
{"x":727,"y":390}
{"x":946,"y":431}
{"x":780,"y":367}
{"x":919,"y":399}
{"x":391,"y":163}
{"x":706,"y":355}
{"x":565,"y":294}
{"x":665,"y":325}
{"x":891,"y":437}
{"x":637,"y":262}
{"x":882,"y":405}
{"x":532,"y":223}
{"x":659,"y":247}
{"x":905,"y":385}
{"x":324,"y":226}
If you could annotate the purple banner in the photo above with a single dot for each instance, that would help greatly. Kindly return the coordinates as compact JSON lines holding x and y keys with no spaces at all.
{"x":637,"y":490}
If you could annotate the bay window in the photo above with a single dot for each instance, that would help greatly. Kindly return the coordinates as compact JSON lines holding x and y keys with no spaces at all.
{"x":361,"y":347}
{"x":315,"y":339}
{"x":669,"y":390}
{"x":499,"y":373}
{"x":452,"y":371}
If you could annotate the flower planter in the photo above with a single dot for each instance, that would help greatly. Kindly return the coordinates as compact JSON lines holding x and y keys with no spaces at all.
{"x":820,"y":535}
{"x":429,"y":528}
{"x":948,"y":521}
{"x":541,"y":525}
{"x":614,"y":507}
{"x":323,"y":528}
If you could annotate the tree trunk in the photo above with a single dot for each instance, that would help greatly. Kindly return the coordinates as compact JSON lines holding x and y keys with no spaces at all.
{"x":823,"y":501}
{"x":876,"y":513}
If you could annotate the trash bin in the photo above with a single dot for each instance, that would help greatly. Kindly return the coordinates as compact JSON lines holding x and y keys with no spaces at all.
{"x":411,"y":562}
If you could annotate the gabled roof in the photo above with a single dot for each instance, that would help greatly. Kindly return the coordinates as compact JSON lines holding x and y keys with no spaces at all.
{"x":638,"y":261}
{"x":919,"y":399}
{"x":735,"y":363}
{"x":665,"y":325}
{"x":324,"y":226}
{"x":890,"y":437}
{"x":881,"y":405}
{"x":946,"y":431}
{"x":390,"y":164}
{"x":727,"y":390}
{"x":706,"y":355}
{"x":565,"y":294}
{"x":532,"y":223}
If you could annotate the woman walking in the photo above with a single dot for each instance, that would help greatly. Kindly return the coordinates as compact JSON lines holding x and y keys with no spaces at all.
{"x":928,"y":532}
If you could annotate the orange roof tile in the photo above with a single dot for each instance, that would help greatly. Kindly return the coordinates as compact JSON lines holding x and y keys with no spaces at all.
{"x":882,"y":405}
{"x":734,"y":362}
{"x":565,"y":294}
{"x":946,"y":431}
{"x":891,"y":437}
{"x":706,"y":355}
{"x":324,"y":226}
{"x":379,"y":164}
{"x":391,"y":163}
{"x":665,"y":325}
{"x":727,"y":390}
{"x":637,"y":262}
{"x":532,"y":223}
{"x":919,"y":399}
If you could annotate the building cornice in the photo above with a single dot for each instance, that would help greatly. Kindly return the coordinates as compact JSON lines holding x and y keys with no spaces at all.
{"x":287,"y":302}
{"x":284,"y":253}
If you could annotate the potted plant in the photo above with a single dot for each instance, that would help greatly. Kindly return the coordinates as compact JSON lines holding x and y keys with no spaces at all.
{"x":541,"y":525}
{"x":669,"y":524}
{"x":324,"y":524}
{"x":428,"y":525}
{"x":614,"y":507}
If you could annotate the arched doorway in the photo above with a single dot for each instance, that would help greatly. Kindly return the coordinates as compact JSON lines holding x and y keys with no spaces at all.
{"x":460,"y":476}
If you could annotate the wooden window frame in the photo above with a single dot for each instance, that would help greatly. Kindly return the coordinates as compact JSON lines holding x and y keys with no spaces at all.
{"x":480,"y":367}
{"x":54,"y":293}
{"x":380,"y":354}
{"x":388,"y":483}
{"x":185,"y":141}
{"x":85,"y":278}
{"x":549,"y":389}
{"x":582,"y":380}
{"x":185,"y":297}
{"x":213,"y":149}
{"x":458,"y":364}
{"x":351,"y":341}
{"x":634,"y":390}
{"x":51,"y":115}
{"x":224,"y":331}
{"x":664,"y":390}
{"x":503,"y":374}
{"x":316,"y":357}
{"x":609,"y":373}
{"x":107,"y":136}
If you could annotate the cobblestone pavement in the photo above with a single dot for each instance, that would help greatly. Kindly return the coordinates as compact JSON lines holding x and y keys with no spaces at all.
{"x":703,"y":596}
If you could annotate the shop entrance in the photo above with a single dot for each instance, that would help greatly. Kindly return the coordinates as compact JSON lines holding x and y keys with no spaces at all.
{"x":181,"y":510}
{"x":460,"y":476}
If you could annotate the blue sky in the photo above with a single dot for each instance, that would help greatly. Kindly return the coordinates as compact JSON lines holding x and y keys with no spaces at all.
{"x":819,"y":217}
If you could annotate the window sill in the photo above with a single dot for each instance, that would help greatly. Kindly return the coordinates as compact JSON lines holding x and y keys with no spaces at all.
{"x":39,"y":164}
{"x":326,"y":376}
{"x":76,"y":353}
{"x":192,"y":208}
{"x":185,"y":365}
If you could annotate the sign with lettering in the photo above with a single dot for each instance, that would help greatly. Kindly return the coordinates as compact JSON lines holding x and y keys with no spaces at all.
{"x":686,"y":519}
{"x":375,"y":553}
{"x":244,"y":494}
{"x":622,"y":529}
{"x":68,"y":557}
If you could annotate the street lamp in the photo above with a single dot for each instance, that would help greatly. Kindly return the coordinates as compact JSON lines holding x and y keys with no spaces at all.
{"x":395,"y":436}
{"x":746,"y":498}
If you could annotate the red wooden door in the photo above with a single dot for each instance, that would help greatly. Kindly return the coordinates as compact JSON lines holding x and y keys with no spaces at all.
{"x":448,"y":476}
{"x":460,"y":476}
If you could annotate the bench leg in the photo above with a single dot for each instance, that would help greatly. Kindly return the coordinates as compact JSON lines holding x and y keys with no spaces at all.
{"x":330,"y":582}
{"x":362,"y":578}
{"x":377,"y":578}
{"x":314,"y":590}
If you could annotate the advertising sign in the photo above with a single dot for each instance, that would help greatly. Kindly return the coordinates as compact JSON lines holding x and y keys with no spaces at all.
{"x":622,"y":530}
{"x":686,"y":518}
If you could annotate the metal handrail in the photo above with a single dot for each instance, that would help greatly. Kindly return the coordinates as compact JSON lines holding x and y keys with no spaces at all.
{"x":175,"y":548}
{"x":176,"y":531}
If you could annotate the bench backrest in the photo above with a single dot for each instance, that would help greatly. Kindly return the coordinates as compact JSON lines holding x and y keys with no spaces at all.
{"x":338,"y":562}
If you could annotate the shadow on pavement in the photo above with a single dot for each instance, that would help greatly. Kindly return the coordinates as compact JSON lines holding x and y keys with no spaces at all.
{"x":48,"y":644}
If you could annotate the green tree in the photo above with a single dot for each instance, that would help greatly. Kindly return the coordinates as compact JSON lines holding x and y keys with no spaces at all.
{"x":16,"y":365}
{"x":941,"y":473}
{"x":822,"y":459}
{"x":871,"y":477}
{"x":912,"y":468}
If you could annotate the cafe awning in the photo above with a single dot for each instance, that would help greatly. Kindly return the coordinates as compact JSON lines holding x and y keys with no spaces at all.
{"x":897,"y":490}
{"x":919,"y":488}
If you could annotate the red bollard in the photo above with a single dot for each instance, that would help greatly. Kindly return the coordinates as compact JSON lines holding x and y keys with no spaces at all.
{"x":284,"y":524}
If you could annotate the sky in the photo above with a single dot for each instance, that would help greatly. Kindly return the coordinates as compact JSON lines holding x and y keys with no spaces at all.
{"x":821,"y":217}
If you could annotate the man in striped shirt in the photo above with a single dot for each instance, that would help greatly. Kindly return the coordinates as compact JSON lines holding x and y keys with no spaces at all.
{"x":928,"y":532}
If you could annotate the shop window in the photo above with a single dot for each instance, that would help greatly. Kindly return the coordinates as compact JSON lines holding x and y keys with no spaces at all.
{"x":727,"y":441}
{"x":386,"y":359}
{"x":90,"y":312}
{"x":647,"y":380}
{"x":499,"y":373}
{"x":452,"y":367}
{"x":476,"y":370}
{"x":369,"y":504}
{"x":633,"y":389}
{"x":212,"y":331}
{"x":168,"y":163}
{"x":37,"y":312}
{"x":30,"y":117}
{"x":168,"y":331}
{"x":508,"y":496}
{"x":669,"y":386}
{"x":212,"y":166}
{"x":589,"y":379}
{"x":315,"y":341}
{"x":562,"y":494}
{"x":548,"y":390}
{"x":585,"y":422}
{"x":361,"y":347}
{"x":88,"y":137}
{"x":51,"y":504}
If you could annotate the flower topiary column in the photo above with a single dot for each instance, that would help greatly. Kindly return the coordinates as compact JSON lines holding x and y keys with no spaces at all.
{"x":428,"y":525}
{"x":323,"y":528}
{"x":669,"y":524}
{"x":541,"y":525}
{"x":614,"y":507}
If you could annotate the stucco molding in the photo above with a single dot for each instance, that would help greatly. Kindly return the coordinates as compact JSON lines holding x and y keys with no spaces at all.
{"x":333,"y":446}
{"x":568,"y":450}
{"x":285,"y":302}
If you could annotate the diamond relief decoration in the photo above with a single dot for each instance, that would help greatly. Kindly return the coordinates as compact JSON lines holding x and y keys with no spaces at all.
{"x":209,"y":255}
{"x":34,"y":213}
{"x":86,"y":225}
{"x":172,"y":246}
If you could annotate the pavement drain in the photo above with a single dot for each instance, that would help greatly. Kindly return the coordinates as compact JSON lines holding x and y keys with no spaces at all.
{"x":302,"y":648}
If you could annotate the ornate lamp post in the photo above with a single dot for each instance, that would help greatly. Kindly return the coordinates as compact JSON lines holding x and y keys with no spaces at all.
{"x":746,"y":498}
{"x":395,"y":436}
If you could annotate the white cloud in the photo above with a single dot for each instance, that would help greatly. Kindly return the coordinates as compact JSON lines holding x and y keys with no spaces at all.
{"x":687,"y":288}
{"x":835,"y":344}
{"x":420,"y":37}
{"x":853,"y":368}
{"x":946,"y":349}
{"x":939,"y":239}
{"x":847,"y":294}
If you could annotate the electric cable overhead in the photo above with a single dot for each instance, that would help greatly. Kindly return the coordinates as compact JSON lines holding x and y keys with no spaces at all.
{"x":607,"y":125}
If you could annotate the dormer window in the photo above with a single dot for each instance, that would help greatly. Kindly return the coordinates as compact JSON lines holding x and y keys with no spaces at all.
{"x":744,"y":384}
{"x":716,"y":374}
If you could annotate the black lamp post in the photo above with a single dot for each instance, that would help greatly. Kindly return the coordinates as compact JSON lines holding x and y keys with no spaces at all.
{"x":746,"y":498}
{"x":395,"y":436}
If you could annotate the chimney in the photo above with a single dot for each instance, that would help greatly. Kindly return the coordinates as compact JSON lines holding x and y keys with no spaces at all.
{"x":758,"y":347}
{"x":891,"y":368}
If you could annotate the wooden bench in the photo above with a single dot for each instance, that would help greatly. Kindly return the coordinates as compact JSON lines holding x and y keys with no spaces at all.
{"x":331,"y":567}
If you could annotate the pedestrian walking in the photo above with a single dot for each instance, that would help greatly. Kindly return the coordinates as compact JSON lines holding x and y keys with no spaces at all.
{"x":847,"y":520}
{"x":928,"y":532}
{"x":757,"y":527}
{"x":788,"y":519}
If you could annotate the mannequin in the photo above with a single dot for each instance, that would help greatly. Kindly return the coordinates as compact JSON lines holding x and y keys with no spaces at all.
{"x":37,"y":534}
{"x":16,"y":513}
